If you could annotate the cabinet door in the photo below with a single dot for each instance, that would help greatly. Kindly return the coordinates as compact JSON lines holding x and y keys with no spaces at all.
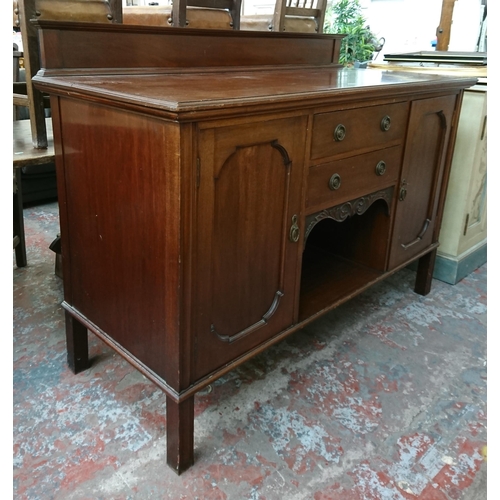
{"x":421,"y":177}
{"x":248,"y":215}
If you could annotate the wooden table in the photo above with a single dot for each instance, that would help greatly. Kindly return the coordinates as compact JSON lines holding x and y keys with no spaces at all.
{"x":25,"y":154}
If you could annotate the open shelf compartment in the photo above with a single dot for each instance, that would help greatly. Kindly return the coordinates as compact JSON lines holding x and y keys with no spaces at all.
{"x":346,"y":249}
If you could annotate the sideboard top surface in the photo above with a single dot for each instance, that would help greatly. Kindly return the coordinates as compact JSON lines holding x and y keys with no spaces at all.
{"x":188,"y":92}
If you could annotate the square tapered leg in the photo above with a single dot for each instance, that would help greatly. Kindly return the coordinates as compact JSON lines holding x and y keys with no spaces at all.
{"x":76,"y":344}
{"x":180,"y":434}
{"x":18,"y":225}
{"x":425,"y":271}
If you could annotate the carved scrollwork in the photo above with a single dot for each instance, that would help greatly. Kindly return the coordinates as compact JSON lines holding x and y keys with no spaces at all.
{"x":341,"y":212}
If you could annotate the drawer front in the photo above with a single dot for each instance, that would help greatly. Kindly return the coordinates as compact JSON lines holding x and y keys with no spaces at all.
{"x":357,"y":129}
{"x":339,"y":181}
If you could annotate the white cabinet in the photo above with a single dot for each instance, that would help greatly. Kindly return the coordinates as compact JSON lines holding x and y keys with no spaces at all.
{"x":463,"y":232}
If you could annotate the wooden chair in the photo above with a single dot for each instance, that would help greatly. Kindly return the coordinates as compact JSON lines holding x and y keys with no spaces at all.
{"x":308,"y":9}
{"x":25,"y":94}
{"x":299,"y":16}
{"x":92,"y":11}
{"x":33,"y":145}
{"x":180,"y":8}
{"x":24,"y":12}
{"x":161,"y":15}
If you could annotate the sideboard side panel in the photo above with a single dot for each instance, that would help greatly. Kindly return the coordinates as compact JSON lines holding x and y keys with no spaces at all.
{"x":121,"y":176}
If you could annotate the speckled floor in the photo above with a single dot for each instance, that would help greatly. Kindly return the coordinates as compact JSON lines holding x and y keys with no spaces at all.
{"x":383,"y":398}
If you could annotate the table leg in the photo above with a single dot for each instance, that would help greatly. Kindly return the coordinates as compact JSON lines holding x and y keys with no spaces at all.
{"x":18,"y":225}
{"x":425,"y":271}
{"x":180,"y":434}
{"x":76,"y":344}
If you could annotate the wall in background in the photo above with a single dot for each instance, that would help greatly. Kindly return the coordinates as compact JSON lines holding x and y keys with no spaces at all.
{"x":410,"y":25}
{"x":465,"y":31}
{"x":406,"y":25}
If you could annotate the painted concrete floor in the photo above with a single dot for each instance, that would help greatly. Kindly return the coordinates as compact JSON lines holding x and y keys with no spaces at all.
{"x":383,"y":398}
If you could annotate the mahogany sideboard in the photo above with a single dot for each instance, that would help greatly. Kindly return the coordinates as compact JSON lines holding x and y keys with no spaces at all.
{"x":218,"y":190}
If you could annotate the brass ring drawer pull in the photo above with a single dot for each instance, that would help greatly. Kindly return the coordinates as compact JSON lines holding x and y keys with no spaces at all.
{"x":334,"y":182}
{"x":380,"y":168}
{"x":294,"y":230}
{"x":385,"y":123}
{"x":339,"y":133}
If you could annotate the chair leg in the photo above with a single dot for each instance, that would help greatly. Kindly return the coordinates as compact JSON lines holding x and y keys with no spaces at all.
{"x":236,"y":14}
{"x":179,"y":13}
{"x":20,"y":242}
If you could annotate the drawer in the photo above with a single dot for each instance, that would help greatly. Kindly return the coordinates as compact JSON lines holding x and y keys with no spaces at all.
{"x":357,"y":129}
{"x":339,"y":181}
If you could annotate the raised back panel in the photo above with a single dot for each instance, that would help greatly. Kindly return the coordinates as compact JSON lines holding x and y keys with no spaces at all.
{"x":67,"y":47}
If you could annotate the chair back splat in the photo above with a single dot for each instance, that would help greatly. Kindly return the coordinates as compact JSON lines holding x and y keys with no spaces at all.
{"x":180,"y":9}
{"x":314,"y":9}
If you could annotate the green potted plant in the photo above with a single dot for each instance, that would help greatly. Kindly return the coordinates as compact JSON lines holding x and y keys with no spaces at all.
{"x":344,"y":16}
